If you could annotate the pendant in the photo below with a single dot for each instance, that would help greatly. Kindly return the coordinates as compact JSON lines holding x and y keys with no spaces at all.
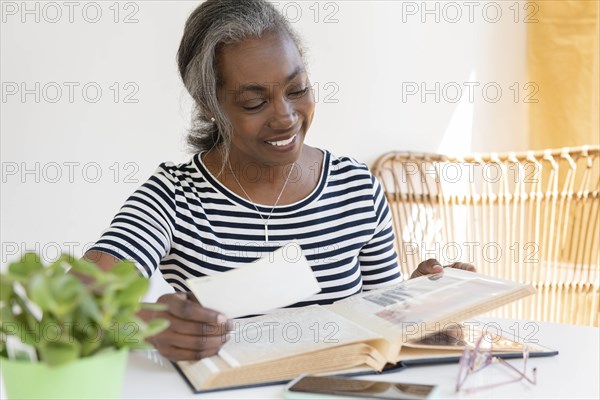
{"x":266,"y":233}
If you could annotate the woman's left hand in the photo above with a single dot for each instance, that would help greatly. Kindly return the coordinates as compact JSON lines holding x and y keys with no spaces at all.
{"x":433,"y":266}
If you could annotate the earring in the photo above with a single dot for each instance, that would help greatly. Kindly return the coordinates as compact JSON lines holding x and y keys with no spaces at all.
{"x":212,"y":119}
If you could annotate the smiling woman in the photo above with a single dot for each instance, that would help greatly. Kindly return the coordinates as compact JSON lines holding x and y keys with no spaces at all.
{"x":252,"y":185}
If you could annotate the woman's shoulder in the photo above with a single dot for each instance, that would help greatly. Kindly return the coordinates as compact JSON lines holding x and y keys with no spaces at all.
{"x":346,"y":163}
{"x":180,"y":168}
{"x":177,"y":172}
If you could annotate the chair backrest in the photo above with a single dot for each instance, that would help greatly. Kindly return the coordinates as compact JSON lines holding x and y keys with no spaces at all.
{"x":532,"y":217}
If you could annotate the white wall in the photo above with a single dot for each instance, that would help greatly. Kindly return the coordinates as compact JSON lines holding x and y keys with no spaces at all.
{"x":84,"y":157}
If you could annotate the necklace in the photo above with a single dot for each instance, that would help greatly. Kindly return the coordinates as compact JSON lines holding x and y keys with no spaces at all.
{"x":265,"y":221}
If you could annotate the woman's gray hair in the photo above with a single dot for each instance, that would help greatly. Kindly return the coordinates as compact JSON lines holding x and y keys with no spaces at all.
{"x":210,"y":26}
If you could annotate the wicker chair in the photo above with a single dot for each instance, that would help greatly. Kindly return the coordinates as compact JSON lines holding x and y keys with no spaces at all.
{"x":531,"y":217}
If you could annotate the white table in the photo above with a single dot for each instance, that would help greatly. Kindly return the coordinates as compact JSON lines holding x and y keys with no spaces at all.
{"x":574,"y":373}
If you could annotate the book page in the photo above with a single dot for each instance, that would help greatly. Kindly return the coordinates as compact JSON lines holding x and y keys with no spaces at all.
{"x":288,"y":332}
{"x":403,"y":311}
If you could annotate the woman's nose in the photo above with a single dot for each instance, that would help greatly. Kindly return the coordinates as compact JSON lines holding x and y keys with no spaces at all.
{"x":284,"y":115}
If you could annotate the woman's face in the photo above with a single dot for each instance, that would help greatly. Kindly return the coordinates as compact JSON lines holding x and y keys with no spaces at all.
{"x":267,"y":96}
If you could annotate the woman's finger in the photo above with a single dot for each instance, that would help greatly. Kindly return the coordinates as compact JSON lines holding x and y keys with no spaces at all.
{"x":431,"y":266}
{"x":464,"y":266}
{"x":187,"y":327}
{"x":199,"y":343}
{"x":180,"y":306}
{"x":176,"y":346}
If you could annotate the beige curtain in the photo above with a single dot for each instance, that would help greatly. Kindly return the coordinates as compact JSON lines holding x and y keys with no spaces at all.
{"x":563,"y":43}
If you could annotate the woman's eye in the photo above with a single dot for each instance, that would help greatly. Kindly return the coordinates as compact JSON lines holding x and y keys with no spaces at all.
{"x":295,"y":94}
{"x":254,"y":107}
{"x":300,"y":92}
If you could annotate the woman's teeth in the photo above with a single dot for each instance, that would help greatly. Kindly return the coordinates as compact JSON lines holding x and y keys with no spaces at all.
{"x":283,"y":142}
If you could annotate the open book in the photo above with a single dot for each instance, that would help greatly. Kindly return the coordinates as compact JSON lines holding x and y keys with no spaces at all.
{"x":366,"y":331}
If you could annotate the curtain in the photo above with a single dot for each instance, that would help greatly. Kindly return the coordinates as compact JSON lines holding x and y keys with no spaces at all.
{"x":563,"y":75}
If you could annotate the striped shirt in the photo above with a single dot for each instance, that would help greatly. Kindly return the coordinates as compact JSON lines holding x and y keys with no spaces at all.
{"x":184,"y":222}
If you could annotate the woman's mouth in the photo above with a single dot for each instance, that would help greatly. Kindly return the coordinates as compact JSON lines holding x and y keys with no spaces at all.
{"x":282,"y":143}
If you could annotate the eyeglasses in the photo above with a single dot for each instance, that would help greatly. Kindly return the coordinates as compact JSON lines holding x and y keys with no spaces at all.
{"x":474,"y":359}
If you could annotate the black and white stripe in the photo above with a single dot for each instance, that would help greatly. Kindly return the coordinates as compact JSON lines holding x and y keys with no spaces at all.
{"x":184,"y":221}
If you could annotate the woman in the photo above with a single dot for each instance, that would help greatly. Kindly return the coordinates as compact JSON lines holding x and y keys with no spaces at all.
{"x":253,"y":184}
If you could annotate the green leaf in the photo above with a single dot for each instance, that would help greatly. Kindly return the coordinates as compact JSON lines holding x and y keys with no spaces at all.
{"x":29,"y":312}
{"x":67,"y":292}
{"x":41,"y":293}
{"x":51,"y":330}
{"x":6,"y":289}
{"x":124,"y":269}
{"x":11,"y":325}
{"x":60,"y":266}
{"x":60,"y":352}
{"x":18,"y":326}
{"x":133,"y":293}
{"x":155,"y":326}
{"x":89,"y":309}
{"x":87,"y":268}
{"x":29,"y":264}
{"x":89,"y":347}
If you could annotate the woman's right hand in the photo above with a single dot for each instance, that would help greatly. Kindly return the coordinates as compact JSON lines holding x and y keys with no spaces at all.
{"x":194,"y":332}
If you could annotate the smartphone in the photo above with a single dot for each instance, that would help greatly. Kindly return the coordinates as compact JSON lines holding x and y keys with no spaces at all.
{"x":335,"y":387}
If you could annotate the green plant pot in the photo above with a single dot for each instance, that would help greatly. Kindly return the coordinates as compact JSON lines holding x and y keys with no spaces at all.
{"x":97,"y":377}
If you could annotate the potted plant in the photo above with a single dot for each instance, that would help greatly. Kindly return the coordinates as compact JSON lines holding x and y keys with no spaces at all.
{"x":62,"y":338}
